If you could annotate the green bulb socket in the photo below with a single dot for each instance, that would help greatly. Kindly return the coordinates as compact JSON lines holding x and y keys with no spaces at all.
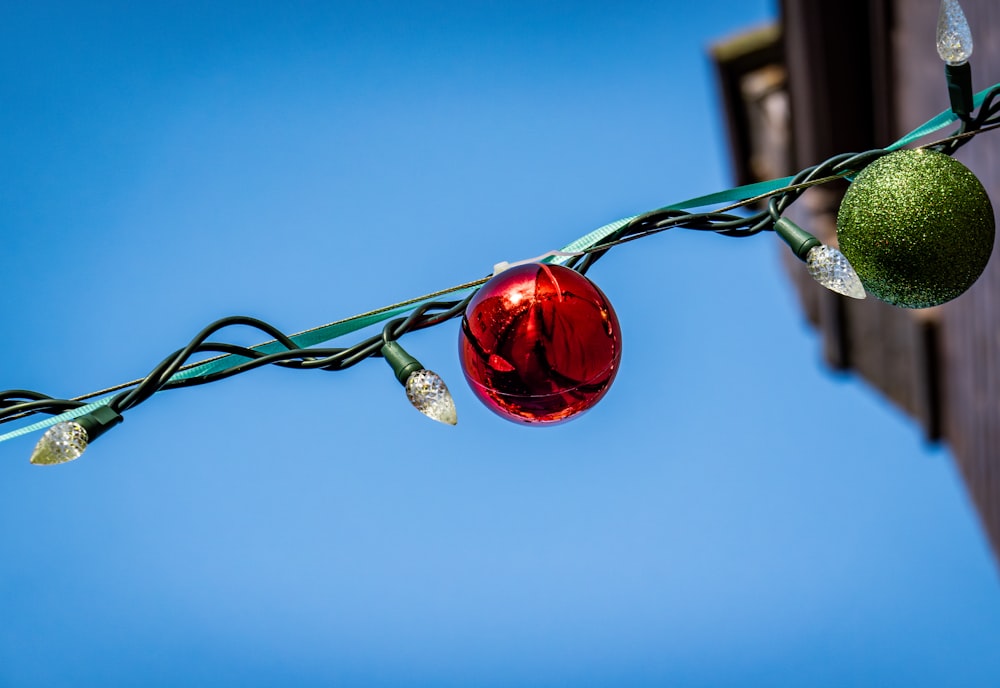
{"x":98,"y":422}
{"x":960,"y":88}
{"x":798,"y":239}
{"x":402,"y":363}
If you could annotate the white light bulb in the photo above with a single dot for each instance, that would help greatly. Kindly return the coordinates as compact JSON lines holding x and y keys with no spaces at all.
{"x":954,"y":38}
{"x":830,"y":268}
{"x":61,"y":443}
{"x":429,"y":395}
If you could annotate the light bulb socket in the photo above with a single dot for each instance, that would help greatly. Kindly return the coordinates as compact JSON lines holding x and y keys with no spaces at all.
{"x":99,"y":421}
{"x":402,"y":363}
{"x":959,"y":78}
{"x":798,"y":239}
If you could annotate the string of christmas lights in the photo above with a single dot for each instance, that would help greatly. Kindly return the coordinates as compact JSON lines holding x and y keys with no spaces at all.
{"x":540,"y":343}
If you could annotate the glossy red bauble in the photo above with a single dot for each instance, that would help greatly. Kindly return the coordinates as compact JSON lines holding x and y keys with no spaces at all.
{"x":540,"y":343}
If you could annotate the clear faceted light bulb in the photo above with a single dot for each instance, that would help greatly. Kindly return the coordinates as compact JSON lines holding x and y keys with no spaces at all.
{"x":954,"y":38}
{"x":429,"y":394}
{"x":61,"y":443}
{"x":830,"y":268}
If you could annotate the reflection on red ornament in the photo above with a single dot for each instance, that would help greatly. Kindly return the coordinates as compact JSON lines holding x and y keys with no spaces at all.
{"x":540,"y":343}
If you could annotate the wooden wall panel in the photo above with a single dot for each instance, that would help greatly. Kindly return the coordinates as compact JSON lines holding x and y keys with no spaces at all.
{"x":940,"y":365}
{"x":969,"y":337}
{"x":838,"y":107}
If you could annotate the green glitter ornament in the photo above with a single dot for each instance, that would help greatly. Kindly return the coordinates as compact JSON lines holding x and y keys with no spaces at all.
{"x":918,"y":228}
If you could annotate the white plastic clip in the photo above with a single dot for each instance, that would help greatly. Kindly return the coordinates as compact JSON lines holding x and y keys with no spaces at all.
{"x":504,"y":265}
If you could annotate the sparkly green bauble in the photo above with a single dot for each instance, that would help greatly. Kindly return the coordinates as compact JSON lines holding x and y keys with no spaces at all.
{"x":918,"y":228}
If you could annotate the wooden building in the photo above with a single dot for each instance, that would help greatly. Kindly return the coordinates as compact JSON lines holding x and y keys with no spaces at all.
{"x":853,"y":75}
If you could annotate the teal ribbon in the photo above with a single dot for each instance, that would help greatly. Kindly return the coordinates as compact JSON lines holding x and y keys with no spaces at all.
{"x":938,"y":123}
{"x":304,"y":340}
{"x":350,"y":325}
{"x":742,"y":193}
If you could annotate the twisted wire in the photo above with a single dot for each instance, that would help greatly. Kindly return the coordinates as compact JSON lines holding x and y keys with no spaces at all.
{"x":19,"y":403}
{"x":724,"y":223}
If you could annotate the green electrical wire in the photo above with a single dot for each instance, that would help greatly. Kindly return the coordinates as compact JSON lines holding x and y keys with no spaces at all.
{"x":594,"y":244}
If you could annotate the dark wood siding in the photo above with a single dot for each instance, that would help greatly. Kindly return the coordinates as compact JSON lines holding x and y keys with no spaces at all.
{"x":940,"y":365}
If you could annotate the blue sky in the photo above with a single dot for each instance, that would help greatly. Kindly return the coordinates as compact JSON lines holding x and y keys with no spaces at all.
{"x":731,"y":514}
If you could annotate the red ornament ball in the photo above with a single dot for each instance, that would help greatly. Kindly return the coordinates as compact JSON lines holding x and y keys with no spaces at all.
{"x":540,"y":343}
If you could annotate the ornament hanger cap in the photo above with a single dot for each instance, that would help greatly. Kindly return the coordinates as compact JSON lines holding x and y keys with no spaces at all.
{"x":504,"y":265}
